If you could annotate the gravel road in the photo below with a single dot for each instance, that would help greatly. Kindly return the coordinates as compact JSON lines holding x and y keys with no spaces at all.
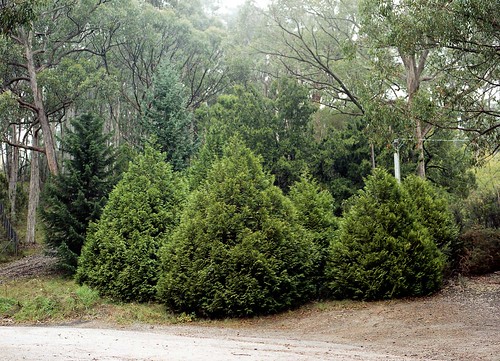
{"x":62,"y":343}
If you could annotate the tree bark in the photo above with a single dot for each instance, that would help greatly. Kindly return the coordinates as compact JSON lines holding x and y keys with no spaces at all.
{"x":34,"y":195}
{"x":13,"y":175}
{"x":48,"y":138}
{"x":420,"y":149}
{"x":414,"y":71}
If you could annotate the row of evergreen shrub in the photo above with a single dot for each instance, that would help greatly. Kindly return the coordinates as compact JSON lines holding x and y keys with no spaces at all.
{"x":237,"y":246}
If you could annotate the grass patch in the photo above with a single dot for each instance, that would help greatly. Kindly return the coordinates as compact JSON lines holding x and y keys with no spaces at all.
{"x":56,"y":299}
{"x":46,"y":299}
{"x":150,"y":313}
{"x":7,"y":305}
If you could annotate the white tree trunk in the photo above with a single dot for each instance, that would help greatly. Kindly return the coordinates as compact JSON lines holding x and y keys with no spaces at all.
{"x":414,"y":69}
{"x":14,"y":170}
{"x":48,"y":138}
{"x":34,"y":195}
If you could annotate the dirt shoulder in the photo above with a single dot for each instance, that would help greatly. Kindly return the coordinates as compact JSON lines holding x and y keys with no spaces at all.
{"x":62,"y":344}
{"x":462,"y":322}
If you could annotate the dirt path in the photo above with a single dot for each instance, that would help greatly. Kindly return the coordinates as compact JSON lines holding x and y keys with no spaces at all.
{"x":462,"y":322}
{"x":35,"y":265}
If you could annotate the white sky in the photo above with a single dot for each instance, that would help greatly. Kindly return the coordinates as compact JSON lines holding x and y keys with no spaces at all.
{"x":231,"y":4}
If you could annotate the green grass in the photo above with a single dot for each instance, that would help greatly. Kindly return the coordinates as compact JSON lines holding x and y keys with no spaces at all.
{"x":56,"y":300}
{"x":7,"y":305}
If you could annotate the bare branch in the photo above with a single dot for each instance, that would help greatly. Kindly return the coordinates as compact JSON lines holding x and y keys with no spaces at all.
{"x":23,"y":146}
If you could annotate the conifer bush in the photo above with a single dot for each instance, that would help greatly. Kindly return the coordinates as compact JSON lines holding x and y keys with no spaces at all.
{"x":433,"y":213}
{"x":381,"y":250}
{"x":315,"y":207}
{"x":120,"y":255}
{"x":238,"y":250}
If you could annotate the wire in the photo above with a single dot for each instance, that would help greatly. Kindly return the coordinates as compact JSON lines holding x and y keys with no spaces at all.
{"x":434,"y":140}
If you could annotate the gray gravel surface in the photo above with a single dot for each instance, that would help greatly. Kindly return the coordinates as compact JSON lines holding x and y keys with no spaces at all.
{"x":61,"y":343}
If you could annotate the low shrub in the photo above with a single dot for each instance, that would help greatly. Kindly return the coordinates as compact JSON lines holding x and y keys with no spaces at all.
{"x":482,"y":209}
{"x":480,"y":251}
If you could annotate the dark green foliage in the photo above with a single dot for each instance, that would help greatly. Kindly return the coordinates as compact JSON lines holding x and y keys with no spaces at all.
{"x":432,"y":212}
{"x":381,"y":251}
{"x":77,"y":195}
{"x":244,"y":113}
{"x":277,"y":128}
{"x":120,"y":256}
{"x":448,"y":164}
{"x":168,"y":119}
{"x":480,"y":251}
{"x":482,"y":209}
{"x":239,"y":250}
{"x":315,"y":213}
{"x":343,"y":161}
{"x":293,"y":131}
{"x":16,"y":13}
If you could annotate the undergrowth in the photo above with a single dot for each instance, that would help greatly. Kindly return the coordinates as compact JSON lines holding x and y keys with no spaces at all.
{"x":57,"y":300}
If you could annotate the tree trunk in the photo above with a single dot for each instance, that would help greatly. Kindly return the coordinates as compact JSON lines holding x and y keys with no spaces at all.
{"x":14,"y":171}
{"x":34,"y":195}
{"x":414,"y":70}
{"x":420,"y":149}
{"x":48,"y":138}
{"x":116,"y":122}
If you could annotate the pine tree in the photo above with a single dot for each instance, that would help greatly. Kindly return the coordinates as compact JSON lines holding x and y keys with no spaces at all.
{"x":120,"y":255}
{"x":76,"y":196}
{"x":381,"y":250}
{"x":167,"y":118}
{"x":239,"y":250}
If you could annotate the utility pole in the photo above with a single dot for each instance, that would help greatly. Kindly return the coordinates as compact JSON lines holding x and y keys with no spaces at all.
{"x":397,"y":168}
{"x":398,"y":143}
